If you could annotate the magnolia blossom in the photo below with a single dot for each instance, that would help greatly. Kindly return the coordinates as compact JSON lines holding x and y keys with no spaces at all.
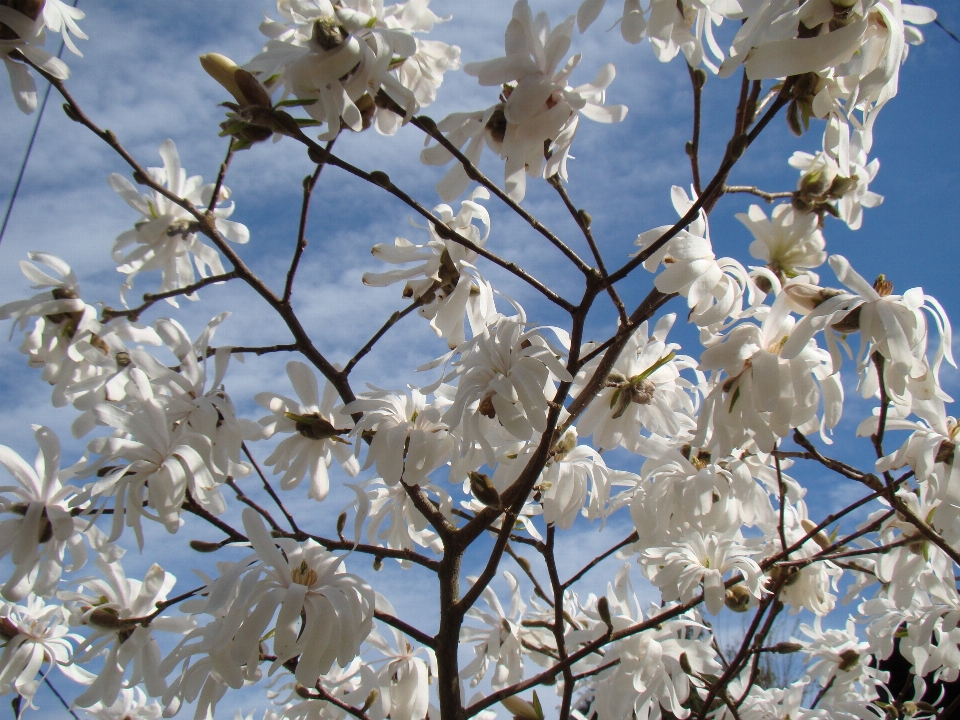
{"x":444,"y":280}
{"x":131,"y":704}
{"x":324,"y":612}
{"x":112,"y":609}
{"x":394,"y":521}
{"x":537,"y":110}
{"x":643,"y":390}
{"x":316,"y":426}
{"x":21,"y":35}
{"x":891,"y":325}
{"x":695,"y":561}
{"x":34,"y":634}
{"x":768,"y":389}
{"x":790,"y":243}
{"x":339,"y":59}
{"x":167,"y":234}
{"x":45,"y":528}
{"x":162,"y":466}
{"x":714,"y":288}
{"x":839,"y":658}
{"x":650,"y":673}
{"x":836,"y":180}
{"x":404,"y":680}
{"x":505,"y":373}
{"x":498,"y":640}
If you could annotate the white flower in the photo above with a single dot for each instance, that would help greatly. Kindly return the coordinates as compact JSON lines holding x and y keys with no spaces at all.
{"x":680,"y":569}
{"x":714,"y":288}
{"x":324,"y":612}
{"x":892,"y":325}
{"x":111,"y":608}
{"x":343,"y":57}
{"x":643,"y":390}
{"x":164,"y":465}
{"x":538,"y":109}
{"x":409,"y":439}
{"x":767,"y":390}
{"x":395,"y":521}
{"x":506,"y":373}
{"x":131,"y":704}
{"x":650,"y":672}
{"x":498,"y":640}
{"x":839,"y":656}
{"x":33,"y":634}
{"x":836,"y":180}
{"x":404,"y":680}
{"x":789,"y":242}
{"x":166,"y":235}
{"x":444,"y":278}
{"x":62,"y":18}
{"x":45,"y":528}
{"x":564,"y":483}
{"x":22,"y":35}
{"x":316,"y":427}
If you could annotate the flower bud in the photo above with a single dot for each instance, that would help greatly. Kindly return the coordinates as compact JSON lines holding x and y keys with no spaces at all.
{"x":805,"y":297}
{"x":785,"y":648}
{"x":341,"y":524}
{"x":849,"y":659}
{"x":204,"y":547}
{"x":603,"y":609}
{"x":819,"y":538}
{"x":521,"y":709}
{"x":737,"y":598}
{"x":484,"y":490}
{"x":240,"y":83}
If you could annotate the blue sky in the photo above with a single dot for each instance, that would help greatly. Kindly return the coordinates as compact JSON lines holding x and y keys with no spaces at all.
{"x":140,"y":77}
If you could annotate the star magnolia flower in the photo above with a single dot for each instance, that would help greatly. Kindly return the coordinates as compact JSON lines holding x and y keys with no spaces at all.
{"x":162,"y":465}
{"x":63,"y":321}
{"x":445,"y":279}
{"x":395,"y":521}
{"x":37,"y":539}
{"x":165,"y":237}
{"x":892,"y":325}
{"x":110,"y":608}
{"x":409,"y":440}
{"x":342,"y":58}
{"x":324,"y":612}
{"x":714,"y":288}
{"x":404,"y":680}
{"x":841,"y":658}
{"x":22,"y":34}
{"x":505,"y":373}
{"x":679,"y":570}
{"x":131,"y":704}
{"x":564,"y":482}
{"x":650,"y":673}
{"x":33,"y":633}
{"x":498,"y":640}
{"x":790,"y":243}
{"x":537,"y":109}
{"x":316,"y":426}
{"x":644,"y":390}
{"x":836,"y":180}
{"x":766,"y":392}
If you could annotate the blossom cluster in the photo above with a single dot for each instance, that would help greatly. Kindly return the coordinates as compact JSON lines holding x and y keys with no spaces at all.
{"x":518,"y":430}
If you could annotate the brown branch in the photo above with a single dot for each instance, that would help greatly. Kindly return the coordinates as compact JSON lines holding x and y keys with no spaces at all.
{"x":269,"y":488}
{"x":407,"y":629}
{"x":768,"y":196}
{"x":583,"y":223}
{"x":629,"y":540}
{"x":309,"y":183}
{"x":150,"y":299}
{"x":697,"y":79}
{"x":558,"y":622}
{"x":221,"y":175}
{"x":391,"y":321}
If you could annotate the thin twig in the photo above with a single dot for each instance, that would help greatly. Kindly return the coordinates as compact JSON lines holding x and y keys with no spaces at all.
{"x":269,"y":488}
{"x":768,"y":196}
{"x":693,"y":149}
{"x":407,"y":629}
{"x":629,"y":540}
{"x":150,"y":299}
{"x":390,"y":322}
{"x":309,"y":183}
{"x":221,"y":175}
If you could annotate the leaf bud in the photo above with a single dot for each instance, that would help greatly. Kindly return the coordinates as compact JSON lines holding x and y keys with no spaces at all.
{"x":685,"y":664}
{"x":786,"y":648}
{"x":523,"y":563}
{"x":699,"y":78}
{"x":378,"y":563}
{"x":849,"y":659}
{"x":304,"y":692}
{"x":71,"y":113}
{"x":341,"y":524}
{"x":585,"y":218}
{"x":483,"y":489}
{"x":738,"y":146}
{"x":371,"y":699}
{"x":737,"y":598}
{"x":603,"y":610}
{"x":427,"y":124}
{"x":204,"y":547}
{"x":378,"y":177}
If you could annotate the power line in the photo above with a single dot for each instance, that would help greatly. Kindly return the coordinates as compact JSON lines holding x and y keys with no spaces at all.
{"x":26,"y":155}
